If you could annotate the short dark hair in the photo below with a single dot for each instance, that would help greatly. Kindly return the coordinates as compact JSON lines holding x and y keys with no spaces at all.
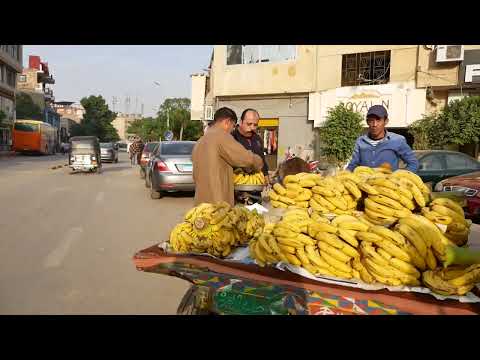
{"x":224,"y":113}
{"x":247,"y":110}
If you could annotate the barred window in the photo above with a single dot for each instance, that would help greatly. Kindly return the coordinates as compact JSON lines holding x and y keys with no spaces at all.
{"x":370,"y":68}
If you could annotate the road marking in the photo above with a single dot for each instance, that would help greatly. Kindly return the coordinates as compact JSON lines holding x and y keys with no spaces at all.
{"x":100,"y":196}
{"x":56,"y":257}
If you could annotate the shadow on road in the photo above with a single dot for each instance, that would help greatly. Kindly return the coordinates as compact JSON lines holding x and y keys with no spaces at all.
{"x":183,"y":194}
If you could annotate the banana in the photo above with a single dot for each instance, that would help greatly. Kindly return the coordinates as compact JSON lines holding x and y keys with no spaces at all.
{"x":369,"y":237}
{"x":293,"y":226}
{"x":374,"y":206}
{"x":292,"y":259}
{"x":436,"y":217}
{"x":323,"y":202}
{"x":353,"y":225}
{"x":443,"y":210}
{"x":353,"y":189}
{"x":394,"y":250}
{"x":287,"y":200}
{"x":278,"y":204}
{"x":415,"y":238}
{"x":334,"y":252}
{"x":457,"y":227}
{"x":417,"y":260}
{"x":341,"y":274}
{"x":303,"y":196}
{"x":449,"y":204}
{"x":342,"y":212}
{"x":307,"y":240}
{"x":384,"y":254}
{"x":307,"y":183}
{"x":382,"y":182}
{"x":364,"y":169}
{"x":316,"y":206}
{"x":369,"y":189}
{"x":263,"y":242}
{"x":293,"y":187}
{"x":369,"y":252}
{"x":383,"y":279}
{"x":273,"y":195}
{"x":320,"y":190}
{"x":342,"y":175}
{"x":386,"y":201}
{"x":434,"y":281}
{"x":292,"y":242}
{"x":338,"y":202}
{"x":315,"y":228}
{"x":405,"y":267}
{"x":336,"y":264}
{"x":471,"y":276}
{"x":364,"y":219}
{"x":408,"y":203}
{"x":431,"y":260}
{"x":365,"y":276}
{"x":292,"y":194}
{"x":417,"y":194}
{"x":346,"y":235}
{"x":392,"y":194}
{"x":388,"y":234}
{"x":342,"y":218}
{"x":286,"y":248}
{"x":283,"y":232}
{"x":303,"y":204}
{"x":302,"y":256}
{"x":330,"y":239}
{"x":417,"y":180}
{"x":291,"y":179}
{"x":259,"y":253}
{"x":279,"y":189}
{"x":314,"y":257}
{"x":319,"y":218}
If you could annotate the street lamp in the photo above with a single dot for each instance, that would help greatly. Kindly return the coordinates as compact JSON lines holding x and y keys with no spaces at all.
{"x":168,"y":110}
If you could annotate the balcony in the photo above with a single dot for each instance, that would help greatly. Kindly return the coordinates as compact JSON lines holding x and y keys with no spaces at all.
{"x":46,"y":79}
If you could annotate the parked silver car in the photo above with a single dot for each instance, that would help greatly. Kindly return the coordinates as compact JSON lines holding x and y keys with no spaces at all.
{"x":170,"y":168}
{"x":109,"y":152}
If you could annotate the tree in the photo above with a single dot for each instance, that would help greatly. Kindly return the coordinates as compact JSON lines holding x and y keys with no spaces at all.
{"x":457,"y":124}
{"x":26,"y":108}
{"x":176,"y":112}
{"x":339,"y":133}
{"x":97,"y":120}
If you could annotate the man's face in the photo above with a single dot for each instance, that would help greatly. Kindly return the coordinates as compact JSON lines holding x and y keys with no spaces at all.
{"x":249,"y":124}
{"x":376,"y":126}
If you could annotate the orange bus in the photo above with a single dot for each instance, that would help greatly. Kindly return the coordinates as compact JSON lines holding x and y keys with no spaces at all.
{"x":33,"y":136}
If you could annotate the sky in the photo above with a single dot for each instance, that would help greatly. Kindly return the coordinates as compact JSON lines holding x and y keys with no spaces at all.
{"x":122,"y":71}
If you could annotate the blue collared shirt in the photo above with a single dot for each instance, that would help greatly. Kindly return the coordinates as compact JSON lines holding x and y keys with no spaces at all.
{"x":390,"y":150}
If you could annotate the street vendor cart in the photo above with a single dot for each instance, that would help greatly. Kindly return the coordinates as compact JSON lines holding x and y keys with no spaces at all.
{"x":226,"y":287}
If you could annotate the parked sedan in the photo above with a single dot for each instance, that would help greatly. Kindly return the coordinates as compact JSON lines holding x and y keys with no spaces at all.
{"x":170,"y":168}
{"x":437,"y":165}
{"x":469,"y":184}
{"x":109,"y":152}
{"x":146,"y":153}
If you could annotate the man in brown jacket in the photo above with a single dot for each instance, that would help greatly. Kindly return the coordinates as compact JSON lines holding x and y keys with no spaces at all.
{"x":214,"y":157}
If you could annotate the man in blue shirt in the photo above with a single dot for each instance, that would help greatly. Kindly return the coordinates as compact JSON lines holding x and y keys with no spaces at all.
{"x":379,"y":146}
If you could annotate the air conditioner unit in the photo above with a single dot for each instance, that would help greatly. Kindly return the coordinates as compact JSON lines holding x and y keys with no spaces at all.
{"x":447,"y":53}
{"x":208,"y":112}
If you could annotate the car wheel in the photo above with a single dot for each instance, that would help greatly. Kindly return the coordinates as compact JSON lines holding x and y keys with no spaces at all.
{"x":154,"y":194}
{"x":147,"y":181}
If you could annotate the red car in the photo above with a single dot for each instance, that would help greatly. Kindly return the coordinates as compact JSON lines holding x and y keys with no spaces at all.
{"x":469,"y":184}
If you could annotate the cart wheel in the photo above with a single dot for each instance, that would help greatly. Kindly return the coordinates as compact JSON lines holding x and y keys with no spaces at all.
{"x":194,"y":302}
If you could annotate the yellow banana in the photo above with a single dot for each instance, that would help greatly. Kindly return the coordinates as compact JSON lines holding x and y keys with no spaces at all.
{"x":314,"y":257}
{"x":377,"y":268}
{"x":382,"y":231}
{"x":353,"y":225}
{"x":364,"y":169}
{"x":402,"y":188}
{"x":342,"y":212}
{"x":287,"y":200}
{"x":431,"y":260}
{"x":307,"y":240}
{"x":292,"y":259}
{"x":417,"y":260}
{"x":457,"y":227}
{"x":279,"y":189}
{"x":293,"y":242}
{"x":273,"y":195}
{"x":342,"y":218}
{"x":392,"y":194}
{"x":316,"y":206}
{"x":320,"y":190}
{"x":383,"y":182}
{"x":293,"y":187}
{"x":365,"y":276}
{"x":395,"y":250}
{"x":348,"y":236}
{"x":369,"y":189}
{"x":443,"y":210}
{"x":303,"y":204}
{"x":350,"y":176}
{"x":471,"y":276}
{"x":384,"y":254}
{"x":291,"y":179}
{"x":449,"y":204}
{"x":369,"y":237}
{"x":321,"y":200}
{"x":406,"y":202}
{"x":436,"y":217}
{"x":353,"y":189}
{"x":302,"y":256}
{"x":363,"y":219}
{"x":316,"y":217}
{"x":307,"y":183}
{"x":286,"y":248}
{"x":314,"y":228}
{"x":417,"y":180}
{"x":386,"y":201}
{"x":374,"y":206}
{"x":263,"y":242}
{"x":336,"y":264}
{"x":417,"y":241}
{"x":404,"y":267}
{"x":330,"y":239}
{"x":337,"y":254}
{"x":338,"y":202}
{"x":292,"y":194}
{"x":278,"y":204}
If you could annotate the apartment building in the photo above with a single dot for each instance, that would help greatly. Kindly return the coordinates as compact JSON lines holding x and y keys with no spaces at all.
{"x":294,"y":86}
{"x":10,"y":66}
{"x":122,"y":122}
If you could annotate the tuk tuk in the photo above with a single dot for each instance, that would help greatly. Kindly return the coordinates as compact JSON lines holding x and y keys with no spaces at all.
{"x":85,"y":154}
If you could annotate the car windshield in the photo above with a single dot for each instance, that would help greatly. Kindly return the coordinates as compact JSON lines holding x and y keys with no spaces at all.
{"x":77,"y":145}
{"x":180,"y":148}
{"x":106,"y":145}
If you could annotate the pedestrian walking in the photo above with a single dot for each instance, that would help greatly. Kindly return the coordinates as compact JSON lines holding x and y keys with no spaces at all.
{"x":136,"y":151}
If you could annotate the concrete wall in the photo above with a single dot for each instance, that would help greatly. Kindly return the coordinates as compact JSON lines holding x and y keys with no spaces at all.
{"x":294,"y":128}
{"x":198,"y":96}
{"x":264,"y":78}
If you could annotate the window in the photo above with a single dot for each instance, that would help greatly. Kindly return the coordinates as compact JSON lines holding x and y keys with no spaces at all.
{"x":254,"y":54}
{"x":455,"y":161}
{"x":370,"y":68}
{"x":22,"y":78}
{"x":431,"y":162}
{"x":26,"y":127}
{"x":2,"y":73}
{"x":11,"y":77}
{"x":177,"y":148}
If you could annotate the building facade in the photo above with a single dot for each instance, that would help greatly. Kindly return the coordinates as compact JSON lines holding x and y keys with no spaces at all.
{"x":70,"y":110}
{"x":294,"y":86}
{"x":35,"y":81}
{"x":122,"y":122}
{"x":11,"y":59}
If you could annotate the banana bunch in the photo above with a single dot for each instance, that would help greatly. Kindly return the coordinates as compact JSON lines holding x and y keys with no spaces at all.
{"x":393,"y":196}
{"x":454,"y":280}
{"x":241,"y":178}
{"x":295,"y":191}
{"x":365,"y":172}
{"x":215,"y":229}
{"x":447,"y":212}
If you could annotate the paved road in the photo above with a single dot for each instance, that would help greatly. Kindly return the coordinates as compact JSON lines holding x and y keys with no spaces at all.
{"x":66,"y":241}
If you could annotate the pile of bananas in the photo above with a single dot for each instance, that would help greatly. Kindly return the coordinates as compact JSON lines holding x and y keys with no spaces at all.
{"x":448,"y":212}
{"x":393,"y":196}
{"x":215,"y":229}
{"x":242,"y":178}
{"x":454,"y":280}
{"x":338,"y":195}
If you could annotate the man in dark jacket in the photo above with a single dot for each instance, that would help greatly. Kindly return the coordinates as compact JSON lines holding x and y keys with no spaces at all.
{"x":246,"y":134}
